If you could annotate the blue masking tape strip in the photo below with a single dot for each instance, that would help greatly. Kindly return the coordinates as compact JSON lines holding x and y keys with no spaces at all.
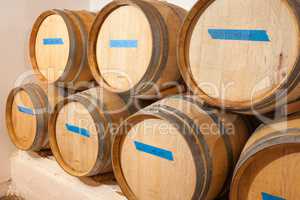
{"x":77,"y":130}
{"x":245,"y":35}
{"x":162,"y":153}
{"x":25,"y":110}
{"x":53,"y":41}
{"x":266,"y":196}
{"x":123,"y":44}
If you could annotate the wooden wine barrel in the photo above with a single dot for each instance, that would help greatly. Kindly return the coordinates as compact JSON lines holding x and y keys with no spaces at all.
{"x":58,"y":46}
{"x":238,"y":55}
{"x":81,"y":129}
{"x":177,"y":149}
{"x":269,"y":164}
{"x":132,"y":46}
{"x":27,"y":110}
{"x":292,"y":108}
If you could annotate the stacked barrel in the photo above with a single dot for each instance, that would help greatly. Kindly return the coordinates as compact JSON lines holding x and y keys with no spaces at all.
{"x":132,"y":47}
{"x":59,"y":58}
{"x":243,"y":56}
{"x":27,"y":111}
{"x":242,"y":61}
{"x":109,"y":95}
{"x":127,"y":62}
{"x":178,"y":148}
{"x":124,"y":57}
{"x":58,"y":47}
{"x":268,"y":164}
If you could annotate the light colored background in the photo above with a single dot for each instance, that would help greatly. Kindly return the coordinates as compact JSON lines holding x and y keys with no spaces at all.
{"x":187,"y":4}
{"x":17,"y":17}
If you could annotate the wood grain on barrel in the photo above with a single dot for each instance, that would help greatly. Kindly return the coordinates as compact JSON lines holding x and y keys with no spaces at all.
{"x":140,"y":56}
{"x":123,"y":65}
{"x":27,"y":110}
{"x":241,"y":54}
{"x":81,"y":130}
{"x":52,"y":57}
{"x":79,"y":150}
{"x":58,"y":47}
{"x":152,"y":177}
{"x":265,"y":130}
{"x":172,"y":142}
{"x":24,"y":124}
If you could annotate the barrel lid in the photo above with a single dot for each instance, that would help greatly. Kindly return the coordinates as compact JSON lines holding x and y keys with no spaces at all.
{"x":52,"y":44}
{"x":25,"y":118}
{"x":124,"y":48}
{"x":77,"y":137}
{"x":157,"y":156}
{"x":126,"y":56}
{"x":240,"y":53}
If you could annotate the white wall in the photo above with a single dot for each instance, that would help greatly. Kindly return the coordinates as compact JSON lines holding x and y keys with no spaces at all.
{"x":187,"y":4}
{"x":16,"y":19}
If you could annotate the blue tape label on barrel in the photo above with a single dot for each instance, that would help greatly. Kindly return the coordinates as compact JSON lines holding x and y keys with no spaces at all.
{"x":123,"y":44}
{"x":25,"y":110}
{"x":155,"y":151}
{"x":78,"y":130}
{"x":53,"y":41}
{"x":244,"y":35}
{"x":266,"y":196}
